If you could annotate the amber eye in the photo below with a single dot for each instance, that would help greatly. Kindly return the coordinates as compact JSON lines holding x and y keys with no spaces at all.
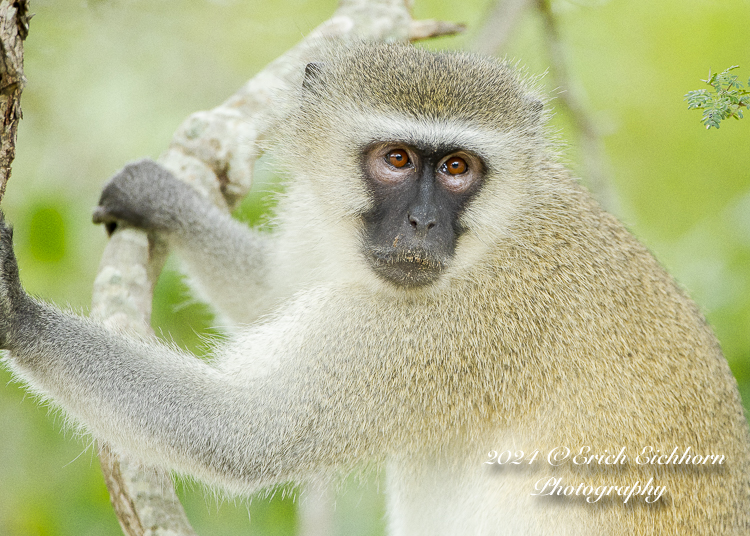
{"x":398,"y":158}
{"x":456,"y":166}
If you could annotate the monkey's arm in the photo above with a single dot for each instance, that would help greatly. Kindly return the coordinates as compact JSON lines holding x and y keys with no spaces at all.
{"x":170,"y":408}
{"x":228,"y":262}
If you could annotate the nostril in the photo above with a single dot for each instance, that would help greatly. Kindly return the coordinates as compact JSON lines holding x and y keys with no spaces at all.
{"x":421,"y":224}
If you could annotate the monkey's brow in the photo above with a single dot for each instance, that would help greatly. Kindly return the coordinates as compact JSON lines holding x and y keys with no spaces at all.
{"x":428,"y":133}
{"x":424,"y":148}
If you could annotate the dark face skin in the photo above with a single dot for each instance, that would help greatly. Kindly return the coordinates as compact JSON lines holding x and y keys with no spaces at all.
{"x":419,"y":194}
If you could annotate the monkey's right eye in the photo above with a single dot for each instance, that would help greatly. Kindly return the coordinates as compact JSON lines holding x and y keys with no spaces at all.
{"x":397,"y":158}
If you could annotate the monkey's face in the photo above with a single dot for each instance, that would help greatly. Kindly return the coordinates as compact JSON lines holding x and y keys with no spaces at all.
{"x":418,"y":195}
{"x":416,"y":163}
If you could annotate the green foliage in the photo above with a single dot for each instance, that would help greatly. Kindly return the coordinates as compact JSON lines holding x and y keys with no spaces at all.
{"x":726,"y":101}
{"x":109,"y":82}
{"x":46,"y":228}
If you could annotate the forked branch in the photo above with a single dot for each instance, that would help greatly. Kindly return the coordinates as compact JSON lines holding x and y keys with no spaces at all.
{"x":215,"y":151}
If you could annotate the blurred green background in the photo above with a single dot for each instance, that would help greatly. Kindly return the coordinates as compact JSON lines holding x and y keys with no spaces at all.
{"x":110,"y":80}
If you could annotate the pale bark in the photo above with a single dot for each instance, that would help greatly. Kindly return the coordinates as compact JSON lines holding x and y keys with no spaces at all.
{"x":215,"y":151}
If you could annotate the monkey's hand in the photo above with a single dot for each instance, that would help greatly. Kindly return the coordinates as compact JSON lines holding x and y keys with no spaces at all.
{"x":14,"y":302}
{"x":147,"y":196}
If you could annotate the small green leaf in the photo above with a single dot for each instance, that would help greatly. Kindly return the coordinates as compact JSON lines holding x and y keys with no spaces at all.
{"x":726,"y":101}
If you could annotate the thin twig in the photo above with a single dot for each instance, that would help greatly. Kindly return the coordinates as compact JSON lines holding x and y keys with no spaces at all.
{"x":596,"y":167}
{"x":499,"y":24}
{"x":429,"y":28}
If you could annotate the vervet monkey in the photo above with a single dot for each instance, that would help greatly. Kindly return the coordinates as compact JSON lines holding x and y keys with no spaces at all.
{"x":439,"y":287}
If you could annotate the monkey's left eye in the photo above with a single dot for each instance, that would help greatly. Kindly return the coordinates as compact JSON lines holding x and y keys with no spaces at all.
{"x":455,"y":166}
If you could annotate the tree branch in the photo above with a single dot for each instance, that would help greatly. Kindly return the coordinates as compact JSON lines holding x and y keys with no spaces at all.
{"x":500,"y":21}
{"x":592,"y":149}
{"x":214,"y":151}
{"x":14,"y":27}
{"x":429,"y":28}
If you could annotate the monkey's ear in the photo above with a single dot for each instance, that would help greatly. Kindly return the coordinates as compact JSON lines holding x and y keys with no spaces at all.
{"x":312,"y":72}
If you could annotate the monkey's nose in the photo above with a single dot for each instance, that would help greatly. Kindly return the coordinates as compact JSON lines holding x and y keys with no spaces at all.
{"x":422,"y":222}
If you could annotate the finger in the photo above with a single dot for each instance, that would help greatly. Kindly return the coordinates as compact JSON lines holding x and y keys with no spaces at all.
{"x":102,"y":215}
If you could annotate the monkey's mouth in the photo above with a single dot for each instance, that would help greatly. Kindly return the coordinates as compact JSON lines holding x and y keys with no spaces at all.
{"x":413,"y":267}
